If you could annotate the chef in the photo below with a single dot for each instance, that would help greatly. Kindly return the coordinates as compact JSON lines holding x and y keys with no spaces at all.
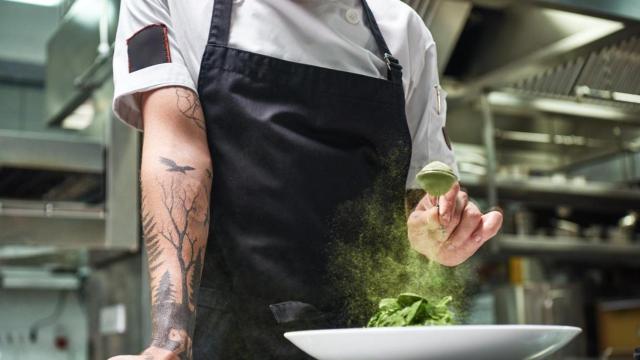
{"x":261,"y":118}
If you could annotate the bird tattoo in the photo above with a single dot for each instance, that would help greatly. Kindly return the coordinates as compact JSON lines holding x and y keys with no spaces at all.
{"x":173,"y":167}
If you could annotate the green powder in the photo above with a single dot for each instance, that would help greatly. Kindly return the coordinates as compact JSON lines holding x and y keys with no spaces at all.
{"x":371,"y":258}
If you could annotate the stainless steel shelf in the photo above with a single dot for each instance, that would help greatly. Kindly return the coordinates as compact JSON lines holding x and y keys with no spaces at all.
{"x":59,"y":224}
{"x":51,"y":151}
{"x":40,"y":209}
{"x":37,"y":278}
{"x":599,"y":190}
{"x":600,"y":196}
{"x":511,"y":101}
{"x":566,"y":247}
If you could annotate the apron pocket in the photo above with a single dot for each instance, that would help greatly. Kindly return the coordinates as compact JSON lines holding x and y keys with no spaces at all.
{"x":294,"y":311}
{"x":298,"y":316}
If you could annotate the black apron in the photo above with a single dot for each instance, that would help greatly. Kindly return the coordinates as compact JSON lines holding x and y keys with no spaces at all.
{"x":289,"y":144}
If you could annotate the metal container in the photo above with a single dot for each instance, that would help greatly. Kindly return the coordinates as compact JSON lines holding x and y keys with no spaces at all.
{"x":543,"y":303}
{"x":618,"y":327}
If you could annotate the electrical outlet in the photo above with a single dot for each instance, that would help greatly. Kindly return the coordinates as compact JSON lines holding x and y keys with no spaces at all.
{"x":113,"y":319}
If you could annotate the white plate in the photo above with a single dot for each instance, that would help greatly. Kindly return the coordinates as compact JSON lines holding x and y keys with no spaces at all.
{"x":490,"y":342}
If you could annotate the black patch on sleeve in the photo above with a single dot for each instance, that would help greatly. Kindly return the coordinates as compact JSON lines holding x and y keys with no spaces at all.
{"x":446,"y":138}
{"x":147,"y":47}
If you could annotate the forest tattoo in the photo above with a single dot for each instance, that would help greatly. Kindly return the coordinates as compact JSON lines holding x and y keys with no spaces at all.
{"x":176,"y":227}
{"x":189,"y":105}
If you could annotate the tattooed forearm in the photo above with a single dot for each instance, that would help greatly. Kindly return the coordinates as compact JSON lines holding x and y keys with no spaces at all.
{"x":189,"y":105}
{"x":175,"y":220}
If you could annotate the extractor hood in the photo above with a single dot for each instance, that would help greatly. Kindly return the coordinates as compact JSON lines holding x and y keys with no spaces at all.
{"x":79,"y":56}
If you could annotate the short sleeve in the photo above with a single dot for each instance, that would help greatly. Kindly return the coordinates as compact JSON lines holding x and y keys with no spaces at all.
{"x":426,"y":108}
{"x":147,"y":56}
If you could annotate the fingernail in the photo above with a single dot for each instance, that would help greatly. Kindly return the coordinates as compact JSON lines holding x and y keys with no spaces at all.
{"x":451,"y":247}
{"x":477,"y":238}
{"x":497,"y":208}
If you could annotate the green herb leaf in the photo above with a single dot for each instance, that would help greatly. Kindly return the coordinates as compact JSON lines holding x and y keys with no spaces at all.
{"x":412,"y":310}
{"x":436,"y":178}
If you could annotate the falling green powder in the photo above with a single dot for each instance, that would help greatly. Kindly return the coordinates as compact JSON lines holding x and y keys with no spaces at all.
{"x":371,"y":258}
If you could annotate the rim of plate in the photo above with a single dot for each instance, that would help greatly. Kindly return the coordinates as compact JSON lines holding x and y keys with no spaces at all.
{"x":573,"y":329}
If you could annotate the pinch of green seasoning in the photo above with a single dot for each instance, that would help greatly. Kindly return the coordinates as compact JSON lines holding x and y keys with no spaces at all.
{"x":371,"y":263}
{"x":436,"y":178}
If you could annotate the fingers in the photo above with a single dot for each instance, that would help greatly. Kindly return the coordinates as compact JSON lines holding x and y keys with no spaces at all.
{"x":487,"y":227}
{"x":447,"y":204}
{"x":467,"y":229}
{"x":461,"y":203}
{"x":426,"y":203}
{"x":427,"y":219}
{"x":424,"y":231}
{"x":491,"y":224}
{"x":471,"y":244}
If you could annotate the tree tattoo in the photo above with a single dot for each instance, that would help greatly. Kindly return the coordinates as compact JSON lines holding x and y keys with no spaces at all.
{"x":183,"y":202}
{"x":177,"y":224}
{"x":189,"y":105}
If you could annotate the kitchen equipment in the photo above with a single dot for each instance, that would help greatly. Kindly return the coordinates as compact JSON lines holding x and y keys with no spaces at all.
{"x":565,"y":228}
{"x":619,"y":327}
{"x":543,"y":303}
{"x":79,"y":56}
{"x":618,"y":236}
{"x":496,"y":342}
{"x":593,"y":233}
{"x":628,"y":225}
{"x":524,"y":221}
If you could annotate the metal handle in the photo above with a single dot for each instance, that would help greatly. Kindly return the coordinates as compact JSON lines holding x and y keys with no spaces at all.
{"x":50,"y":210}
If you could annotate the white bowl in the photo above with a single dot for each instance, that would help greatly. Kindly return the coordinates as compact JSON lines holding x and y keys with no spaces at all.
{"x":490,"y":342}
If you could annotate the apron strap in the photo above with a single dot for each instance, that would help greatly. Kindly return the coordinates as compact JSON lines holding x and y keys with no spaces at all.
{"x":221,"y":25}
{"x":220,"y":22}
{"x":394,"y":69}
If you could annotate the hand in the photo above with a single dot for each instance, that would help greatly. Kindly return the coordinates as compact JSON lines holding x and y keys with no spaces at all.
{"x":152,"y":353}
{"x":452,"y":231}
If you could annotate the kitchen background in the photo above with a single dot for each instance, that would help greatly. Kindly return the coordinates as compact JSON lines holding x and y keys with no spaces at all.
{"x":544,"y":114}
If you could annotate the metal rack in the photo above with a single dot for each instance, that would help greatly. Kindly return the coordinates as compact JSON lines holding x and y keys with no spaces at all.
{"x":568,"y":248}
{"x":589,"y":196}
{"x":593,"y":196}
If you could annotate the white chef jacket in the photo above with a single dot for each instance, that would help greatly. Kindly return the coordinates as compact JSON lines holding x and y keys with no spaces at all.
{"x":326,"y":33}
